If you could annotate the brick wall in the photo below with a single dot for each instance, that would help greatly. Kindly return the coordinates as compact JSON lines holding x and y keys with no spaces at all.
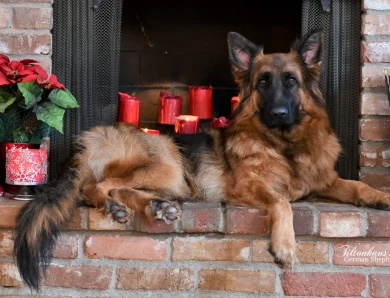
{"x":214,"y":251}
{"x":375,"y":110}
{"x":25,"y":29}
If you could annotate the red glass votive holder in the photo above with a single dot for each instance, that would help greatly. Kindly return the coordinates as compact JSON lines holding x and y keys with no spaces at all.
{"x":220,"y":122}
{"x":234,"y":102}
{"x":11,"y":189}
{"x":128,"y":108}
{"x":170,"y":107}
{"x":151,"y":131}
{"x":26,"y":166}
{"x":186,"y":124}
{"x":201,"y":101}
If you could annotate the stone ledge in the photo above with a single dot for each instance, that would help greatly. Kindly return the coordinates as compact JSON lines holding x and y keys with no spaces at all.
{"x":327,"y":220}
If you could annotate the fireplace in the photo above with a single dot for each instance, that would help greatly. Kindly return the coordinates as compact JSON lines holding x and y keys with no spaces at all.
{"x":144,"y":47}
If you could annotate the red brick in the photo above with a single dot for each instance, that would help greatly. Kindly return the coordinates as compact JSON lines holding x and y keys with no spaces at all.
{"x":378,"y":224}
{"x":155,"y":279}
{"x":379,"y":285}
{"x":374,"y":104}
{"x":242,"y":220}
{"x":237,"y":280}
{"x":20,"y":44}
{"x":125,"y":248}
{"x":83,"y":277}
{"x":374,"y":155}
{"x":376,"y":4}
{"x":6,"y":243}
{"x":5,"y":17}
{"x":260,"y":251}
{"x":341,"y":224}
{"x":9,"y":276}
{"x":374,"y":129}
{"x":372,"y":76}
{"x":375,"y":51}
{"x":9,"y":210}
{"x":331,"y":284}
{"x":142,"y":224}
{"x":202,"y":249}
{"x":66,"y":247}
{"x":376,"y":24}
{"x":362,"y":254}
{"x":97,"y":220}
{"x":32,"y":18}
{"x":379,"y":181}
{"x":202,"y":217}
{"x":315,"y":252}
{"x":303,"y":219}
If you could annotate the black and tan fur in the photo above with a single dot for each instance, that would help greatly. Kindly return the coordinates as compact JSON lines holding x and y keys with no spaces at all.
{"x":279,"y":148}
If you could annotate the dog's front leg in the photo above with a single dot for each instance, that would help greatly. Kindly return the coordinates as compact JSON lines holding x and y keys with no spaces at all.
{"x":282,"y":235}
{"x":357,"y":193}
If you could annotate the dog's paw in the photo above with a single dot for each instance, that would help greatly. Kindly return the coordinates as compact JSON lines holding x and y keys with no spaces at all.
{"x":165,"y":210}
{"x":118,"y":212}
{"x":383,"y":204}
{"x":284,"y":255}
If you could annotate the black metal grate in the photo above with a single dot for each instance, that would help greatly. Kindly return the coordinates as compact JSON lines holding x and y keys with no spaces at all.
{"x":340,"y":80}
{"x":86,"y":47}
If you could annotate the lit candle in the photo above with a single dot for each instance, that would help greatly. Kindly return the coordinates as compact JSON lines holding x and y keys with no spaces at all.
{"x":201,"y":101}
{"x":234,"y":102}
{"x":128,"y":108}
{"x":186,"y":124}
{"x":151,"y":131}
{"x":170,"y":107}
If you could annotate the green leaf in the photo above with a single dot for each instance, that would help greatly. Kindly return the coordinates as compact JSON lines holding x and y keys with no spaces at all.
{"x":63,"y":99}
{"x":20,"y":136}
{"x":31,"y":92}
{"x":6,"y":104}
{"x":51,"y":114}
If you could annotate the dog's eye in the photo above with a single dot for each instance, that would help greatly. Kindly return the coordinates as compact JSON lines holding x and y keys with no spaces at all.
{"x":291,"y":81}
{"x":263,"y":82}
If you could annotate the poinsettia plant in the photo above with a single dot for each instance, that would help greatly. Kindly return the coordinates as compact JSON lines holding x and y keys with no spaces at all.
{"x":31,"y":101}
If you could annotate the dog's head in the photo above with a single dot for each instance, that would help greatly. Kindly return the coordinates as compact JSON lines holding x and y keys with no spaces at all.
{"x":280,"y":88}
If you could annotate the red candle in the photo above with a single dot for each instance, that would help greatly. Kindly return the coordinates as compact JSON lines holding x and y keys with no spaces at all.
{"x":151,"y":131}
{"x":186,"y":124}
{"x":234,"y":102}
{"x":128,"y":108}
{"x":170,"y":107}
{"x":201,"y":101}
{"x":26,"y":166}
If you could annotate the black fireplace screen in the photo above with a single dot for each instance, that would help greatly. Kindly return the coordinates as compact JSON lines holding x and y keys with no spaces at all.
{"x":86,"y":48}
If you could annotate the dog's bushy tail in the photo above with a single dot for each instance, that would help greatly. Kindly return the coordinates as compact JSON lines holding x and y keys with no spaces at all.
{"x":39,"y":224}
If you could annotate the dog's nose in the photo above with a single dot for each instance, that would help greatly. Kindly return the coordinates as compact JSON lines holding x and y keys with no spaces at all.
{"x":279,"y":112}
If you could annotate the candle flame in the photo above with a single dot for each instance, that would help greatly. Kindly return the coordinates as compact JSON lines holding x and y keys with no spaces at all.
{"x":385,"y":71}
{"x":187,"y":119}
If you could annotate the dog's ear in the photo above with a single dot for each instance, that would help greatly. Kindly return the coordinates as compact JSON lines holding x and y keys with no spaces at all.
{"x":241,"y":53}
{"x":310,"y":47}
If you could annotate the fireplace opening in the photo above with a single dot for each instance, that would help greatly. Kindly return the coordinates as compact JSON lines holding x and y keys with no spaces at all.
{"x":170,"y":45}
{"x":143,"y":47}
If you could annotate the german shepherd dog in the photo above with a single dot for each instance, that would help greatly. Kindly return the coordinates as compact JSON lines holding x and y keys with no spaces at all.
{"x":278,"y":148}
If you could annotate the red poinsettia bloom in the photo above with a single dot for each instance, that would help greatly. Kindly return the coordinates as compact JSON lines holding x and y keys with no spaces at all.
{"x":14,"y":72}
{"x":44,"y":80}
{"x":220,"y":122}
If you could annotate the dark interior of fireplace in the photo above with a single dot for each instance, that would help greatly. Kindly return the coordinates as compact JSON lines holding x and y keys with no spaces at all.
{"x":170,"y":45}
